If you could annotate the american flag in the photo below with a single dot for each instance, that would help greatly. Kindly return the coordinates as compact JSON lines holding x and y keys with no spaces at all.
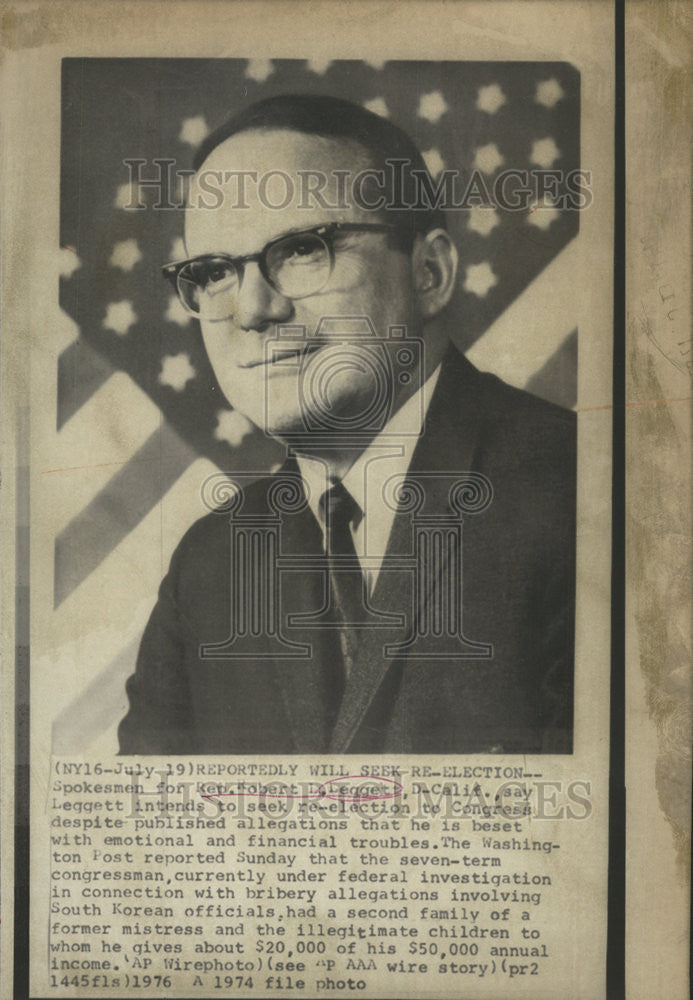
{"x":140,"y":418}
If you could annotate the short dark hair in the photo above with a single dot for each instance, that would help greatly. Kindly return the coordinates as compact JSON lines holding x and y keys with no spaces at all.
{"x":335,"y":118}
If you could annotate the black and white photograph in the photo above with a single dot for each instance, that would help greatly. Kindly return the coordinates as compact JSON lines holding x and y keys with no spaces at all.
{"x":412,"y":587}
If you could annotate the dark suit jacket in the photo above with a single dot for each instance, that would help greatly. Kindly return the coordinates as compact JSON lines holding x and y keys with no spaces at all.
{"x":517,"y":598}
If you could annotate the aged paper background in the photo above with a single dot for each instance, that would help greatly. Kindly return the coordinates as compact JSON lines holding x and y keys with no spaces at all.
{"x":659,"y":365}
{"x":35,"y":38}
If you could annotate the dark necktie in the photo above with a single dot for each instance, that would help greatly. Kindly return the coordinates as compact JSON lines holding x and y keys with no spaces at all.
{"x":339,"y":511}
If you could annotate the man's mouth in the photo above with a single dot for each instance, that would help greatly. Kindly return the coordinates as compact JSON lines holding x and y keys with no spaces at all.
{"x":285,"y":354}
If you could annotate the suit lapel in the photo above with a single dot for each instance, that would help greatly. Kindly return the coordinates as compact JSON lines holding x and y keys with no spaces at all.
{"x":446,"y":447}
{"x":392,"y":594}
{"x":302,"y":682}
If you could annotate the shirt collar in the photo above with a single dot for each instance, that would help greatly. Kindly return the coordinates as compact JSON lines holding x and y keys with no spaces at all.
{"x":399,"y":436}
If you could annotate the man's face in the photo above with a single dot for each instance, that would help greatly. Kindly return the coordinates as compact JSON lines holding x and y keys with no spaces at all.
{"x":370,"y":278}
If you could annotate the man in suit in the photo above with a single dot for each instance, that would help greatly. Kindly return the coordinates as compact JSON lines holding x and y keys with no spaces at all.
{"x":405,"y":584}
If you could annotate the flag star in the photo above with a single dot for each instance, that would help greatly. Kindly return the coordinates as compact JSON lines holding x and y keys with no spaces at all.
{"x":193,"y":130}
{"x":487,"y":158}
{"x":178,"y":249}
{"x":128,"y":197}
{"x":545,"y":152}
{"x":175,"y":312}
{"x":176,"y":371}
{"x":125,"y":255}
{"x":378,"y":106}
{"x":432,"y":106}
{"x":549,"y":92}
{"x":482,"y":219}
{"x":434,"y":161}
{"x":479,"y":279}
{"x":68,"y":261}
{"x":319,"y":65}
{"x":490,"y":99}
{"x":259,"y":69}
{"x":120,"y":316}
{"x":232,"y":426}
{"x":543,"y":214}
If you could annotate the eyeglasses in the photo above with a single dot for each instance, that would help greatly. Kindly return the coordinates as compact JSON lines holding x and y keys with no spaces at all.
{"x":295,"y":265}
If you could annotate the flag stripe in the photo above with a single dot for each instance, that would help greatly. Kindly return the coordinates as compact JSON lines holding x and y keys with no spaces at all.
{"x":532,"y":328}
{"x":95,"y":708}
{"x":82,"y":370}
{"x":557,"y":379}
{"x":118,"y":508}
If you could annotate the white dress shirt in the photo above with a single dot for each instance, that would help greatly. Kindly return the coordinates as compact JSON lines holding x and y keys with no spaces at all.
{"x":388,"y":455}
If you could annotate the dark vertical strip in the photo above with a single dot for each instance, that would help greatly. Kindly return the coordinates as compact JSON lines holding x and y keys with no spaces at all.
{"x":21,"y":787}
{"x":615,"y":966}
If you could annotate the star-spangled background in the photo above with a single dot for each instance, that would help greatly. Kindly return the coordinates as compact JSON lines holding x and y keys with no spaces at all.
{"x":140,"y":418}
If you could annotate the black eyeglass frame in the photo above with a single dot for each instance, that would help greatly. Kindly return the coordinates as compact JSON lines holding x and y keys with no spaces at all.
{"x":326,"y":231}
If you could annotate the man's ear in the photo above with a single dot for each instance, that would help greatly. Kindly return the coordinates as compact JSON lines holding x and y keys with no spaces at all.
{"x":434,"y":261}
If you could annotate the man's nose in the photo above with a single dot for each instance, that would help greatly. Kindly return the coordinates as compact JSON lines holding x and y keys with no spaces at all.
{"x":257,"y":303}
